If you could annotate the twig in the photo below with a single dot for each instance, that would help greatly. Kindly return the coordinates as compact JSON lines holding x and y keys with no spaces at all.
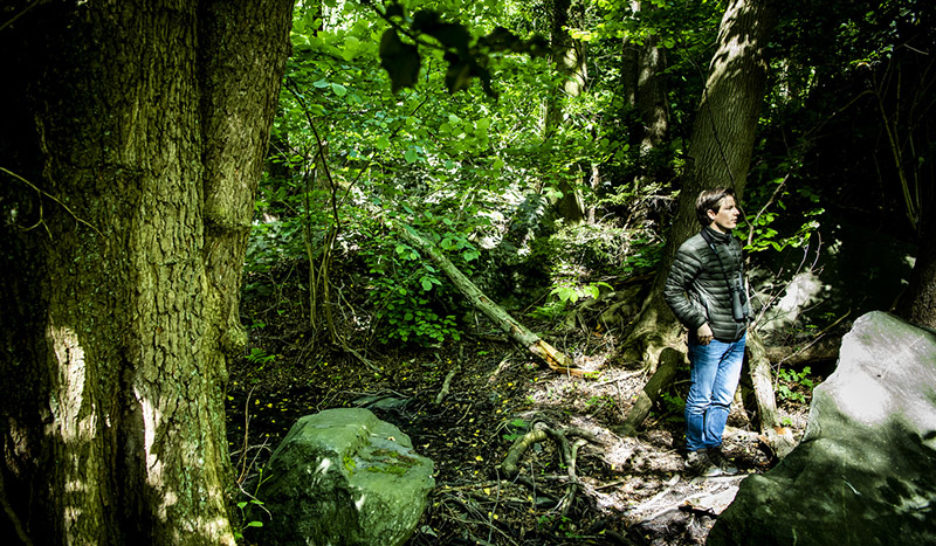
{"x":243,"y":473}
{"x":446,"y":384}
{"x":40,"y":191}
{"x":769,"y":202}
{"x":11,"y":515}
{"x":815,"y":340}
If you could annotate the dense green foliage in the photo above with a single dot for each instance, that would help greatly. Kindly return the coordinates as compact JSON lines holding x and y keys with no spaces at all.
{"x":372,"y":135}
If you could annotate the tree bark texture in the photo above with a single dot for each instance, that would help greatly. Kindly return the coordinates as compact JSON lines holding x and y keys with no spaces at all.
{"x":644,"y":91}
{"x":568,"y":57}
{"x":136,"y":133}
{"x":918,"y":302}
{"x":720,"y":150}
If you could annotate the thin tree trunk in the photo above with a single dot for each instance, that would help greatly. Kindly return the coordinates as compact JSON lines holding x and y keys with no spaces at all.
{"x":569,"y":59}
{"x":642,"y":84}
{"x":555,"y":359}
{"x":137,"y":133}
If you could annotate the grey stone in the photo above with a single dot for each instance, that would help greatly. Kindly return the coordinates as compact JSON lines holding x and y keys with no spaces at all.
{"x":344,"y":477}
{"x":865,"y":471}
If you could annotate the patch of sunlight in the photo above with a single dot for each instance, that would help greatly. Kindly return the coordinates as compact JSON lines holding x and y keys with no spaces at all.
{"x":359,"y":504}
{"x":152,"y":419}
{"x":801,"y":290}
{"x":868,"y":401}
{"x":324,"y":466}
{"x":67,"y":400}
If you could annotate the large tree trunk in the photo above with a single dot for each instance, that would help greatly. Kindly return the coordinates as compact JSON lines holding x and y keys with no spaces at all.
{"x":136,"y":132}
{"x":720,"y":153}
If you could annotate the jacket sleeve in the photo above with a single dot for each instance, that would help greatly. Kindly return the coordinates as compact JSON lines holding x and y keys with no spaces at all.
{"x":685,"y":268}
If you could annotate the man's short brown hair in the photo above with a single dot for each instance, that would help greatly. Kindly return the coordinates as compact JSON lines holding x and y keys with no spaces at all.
{"x":709,"y":200}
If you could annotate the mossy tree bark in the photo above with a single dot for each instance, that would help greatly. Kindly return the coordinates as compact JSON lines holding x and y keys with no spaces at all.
{"x":568,"y":55}
{"x":136,"y":132}
{"x":720,"y":154}
{"x":642,"y":81}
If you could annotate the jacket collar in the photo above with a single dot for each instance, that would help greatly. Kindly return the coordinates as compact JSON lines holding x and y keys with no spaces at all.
{"x":717,"y":236}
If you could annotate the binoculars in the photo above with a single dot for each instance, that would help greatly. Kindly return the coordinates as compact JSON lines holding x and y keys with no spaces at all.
{"x":740,"y":310}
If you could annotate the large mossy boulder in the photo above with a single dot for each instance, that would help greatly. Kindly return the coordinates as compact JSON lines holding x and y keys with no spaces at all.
{"x":344,"y":477}
{"x":865,"y":471}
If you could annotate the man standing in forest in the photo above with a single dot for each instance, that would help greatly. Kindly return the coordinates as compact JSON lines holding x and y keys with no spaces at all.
{"x":705,"y":289}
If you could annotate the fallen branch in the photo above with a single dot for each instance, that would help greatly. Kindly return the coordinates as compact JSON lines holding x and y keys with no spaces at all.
{"x":779,"y":439}
{"x":555,"y":359}
{"x":824,"y":349}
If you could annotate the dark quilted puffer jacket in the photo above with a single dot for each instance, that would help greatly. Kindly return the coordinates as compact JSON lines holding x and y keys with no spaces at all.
{"x":696,"y":289}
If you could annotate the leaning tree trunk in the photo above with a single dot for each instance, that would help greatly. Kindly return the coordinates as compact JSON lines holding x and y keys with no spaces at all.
{"x":554,"y":358}
{"x":720,"y":153}
{"x":136,"y":132}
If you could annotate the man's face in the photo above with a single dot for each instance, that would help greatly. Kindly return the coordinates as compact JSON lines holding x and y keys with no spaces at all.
{"x":726,"y":219}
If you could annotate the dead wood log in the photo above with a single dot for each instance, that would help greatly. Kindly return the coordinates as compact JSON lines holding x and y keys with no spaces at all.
{"x":665,"y":372}
{"x":779,"y":439}
{"x":555,"y":359}
{"x":825,"y":349}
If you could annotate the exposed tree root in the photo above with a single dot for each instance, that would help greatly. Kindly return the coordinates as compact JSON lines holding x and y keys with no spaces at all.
{"x":568,"y":456}
{"x":665,"y":372}
{"x":778,"y":438}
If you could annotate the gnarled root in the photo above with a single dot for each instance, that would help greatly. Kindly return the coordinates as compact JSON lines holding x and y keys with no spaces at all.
{"x":566,"y":448}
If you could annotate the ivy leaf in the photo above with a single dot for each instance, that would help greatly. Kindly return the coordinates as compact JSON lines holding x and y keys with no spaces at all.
{"x":339,"y":89}
{"x":400,"y":60}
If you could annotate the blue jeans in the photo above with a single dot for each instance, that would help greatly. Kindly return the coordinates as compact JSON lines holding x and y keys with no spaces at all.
{"x":715,"y":370}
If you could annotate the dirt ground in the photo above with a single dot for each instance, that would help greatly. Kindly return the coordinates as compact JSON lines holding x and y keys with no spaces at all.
{"x":615,"y":489}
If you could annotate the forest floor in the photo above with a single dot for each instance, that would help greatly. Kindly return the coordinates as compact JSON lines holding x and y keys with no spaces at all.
{"x":617,"y":490}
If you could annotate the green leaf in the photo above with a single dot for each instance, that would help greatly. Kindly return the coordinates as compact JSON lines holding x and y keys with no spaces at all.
{"x":382,"y":142}
{"x":410,"y":156}
{"x":339,"y":89}
{"x":426,"y":283}
{"x":255,"y":524}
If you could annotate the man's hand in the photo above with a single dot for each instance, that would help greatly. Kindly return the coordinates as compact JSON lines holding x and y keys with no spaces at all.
{"x":704,"y":334}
